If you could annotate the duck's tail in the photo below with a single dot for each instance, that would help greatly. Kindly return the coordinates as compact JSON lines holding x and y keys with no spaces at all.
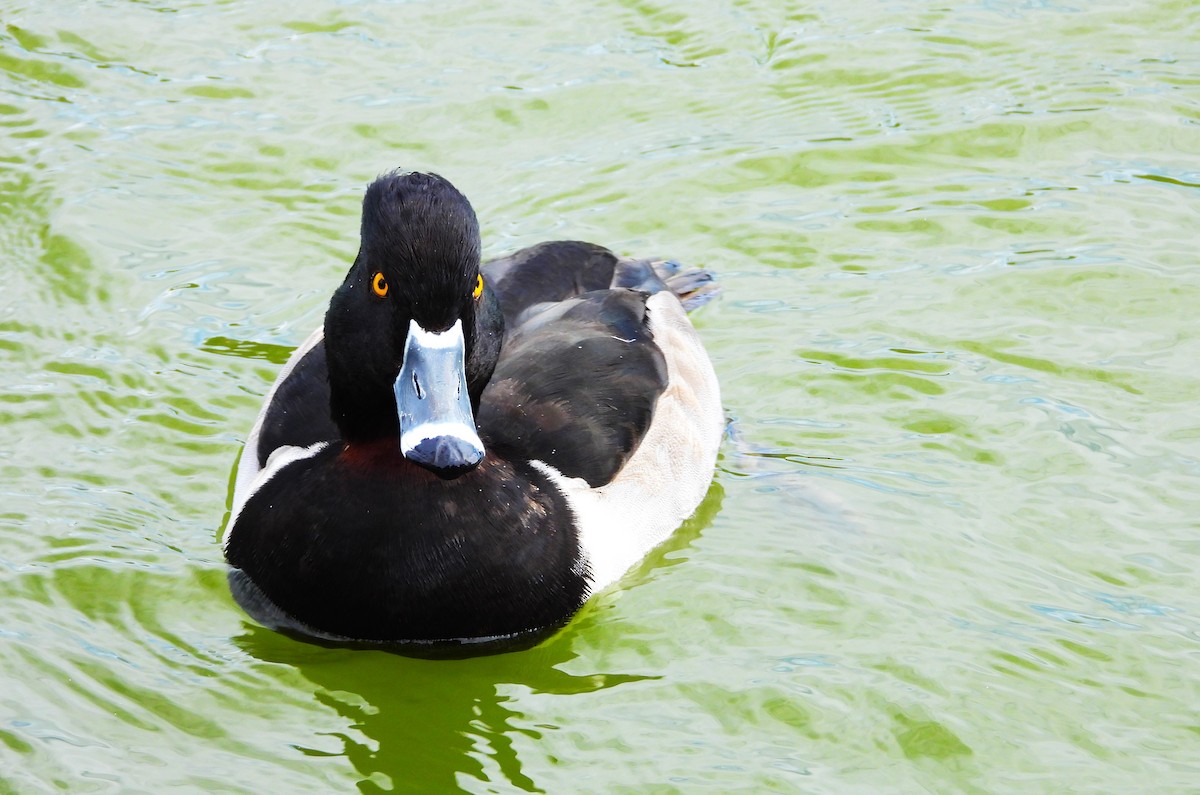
{"x":694,"y":287}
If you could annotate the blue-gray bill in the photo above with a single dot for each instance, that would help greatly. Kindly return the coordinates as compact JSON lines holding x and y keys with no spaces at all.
{"x":437,"y":427}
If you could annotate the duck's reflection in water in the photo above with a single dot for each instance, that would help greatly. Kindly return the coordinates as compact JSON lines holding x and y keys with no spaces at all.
{"x":423,"y":725}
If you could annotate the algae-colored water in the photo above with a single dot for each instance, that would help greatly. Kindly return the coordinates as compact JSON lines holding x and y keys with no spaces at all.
{"x":953,"y":540}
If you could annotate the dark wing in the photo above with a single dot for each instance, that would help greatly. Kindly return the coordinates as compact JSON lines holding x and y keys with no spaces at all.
{"x":576,"y":385}
{"x":298,"y":412}
{"x":548,"y":272}
{"x":562,"y":269}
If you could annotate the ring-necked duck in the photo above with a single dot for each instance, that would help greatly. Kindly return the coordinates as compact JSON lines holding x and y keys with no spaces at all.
{"x":466,"y":453}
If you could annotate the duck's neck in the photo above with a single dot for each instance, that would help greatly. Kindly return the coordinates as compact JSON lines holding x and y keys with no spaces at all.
{"x":361,"y":401}
{"x":484,"y":342}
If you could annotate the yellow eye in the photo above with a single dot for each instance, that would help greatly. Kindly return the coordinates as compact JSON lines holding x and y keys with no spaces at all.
{"x":379,"y":285}
{"x":478,"y":288}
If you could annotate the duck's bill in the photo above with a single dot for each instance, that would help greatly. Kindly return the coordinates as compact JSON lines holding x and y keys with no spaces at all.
{"x":437,"y":429}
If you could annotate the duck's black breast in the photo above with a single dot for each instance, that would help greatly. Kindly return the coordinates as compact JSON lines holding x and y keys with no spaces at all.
{"x":356,"y":542}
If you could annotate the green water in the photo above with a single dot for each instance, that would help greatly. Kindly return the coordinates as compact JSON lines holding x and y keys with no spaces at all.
{"x":952,"y":542}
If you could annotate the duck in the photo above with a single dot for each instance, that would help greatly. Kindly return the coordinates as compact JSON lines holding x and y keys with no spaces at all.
{"x":464,"y":453}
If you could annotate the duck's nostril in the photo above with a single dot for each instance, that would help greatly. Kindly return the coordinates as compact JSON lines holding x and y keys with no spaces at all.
{"x":417,"y":387}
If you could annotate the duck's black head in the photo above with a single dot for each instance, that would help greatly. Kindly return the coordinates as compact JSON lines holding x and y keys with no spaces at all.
{"x":413,"y":333}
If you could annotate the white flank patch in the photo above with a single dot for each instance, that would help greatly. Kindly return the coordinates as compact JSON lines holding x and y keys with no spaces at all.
{"x":280,"y":457}
{"x":248,"y":467}
{"x":246,"y":482}
{"x":668,"y":475}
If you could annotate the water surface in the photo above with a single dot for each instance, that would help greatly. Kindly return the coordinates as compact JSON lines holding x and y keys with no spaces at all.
{"x":952,"y":540}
